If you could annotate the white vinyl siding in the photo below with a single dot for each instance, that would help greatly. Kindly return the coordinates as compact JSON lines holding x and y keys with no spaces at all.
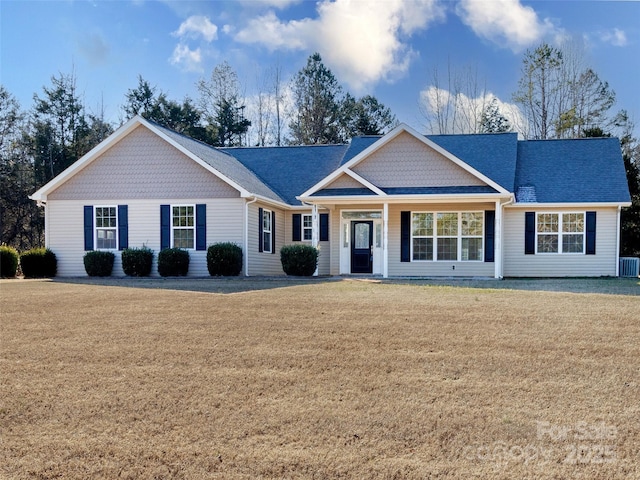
{"x":263,"y":263}
{"x":65,"y":231}
{"x":517,"y":264}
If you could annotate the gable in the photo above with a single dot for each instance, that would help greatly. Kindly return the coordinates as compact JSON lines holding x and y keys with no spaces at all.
{"x":407,"y":162}
{"x":142,"y":165}
{"x":344,"y":181}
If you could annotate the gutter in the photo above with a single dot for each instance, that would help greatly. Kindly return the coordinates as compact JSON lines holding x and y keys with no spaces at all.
{"x":246,"y":235}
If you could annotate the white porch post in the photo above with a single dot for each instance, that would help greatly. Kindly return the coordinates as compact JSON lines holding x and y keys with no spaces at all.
{"x":497,"y":241}
{"x":315,"y":230}
{"x":385,"y":238}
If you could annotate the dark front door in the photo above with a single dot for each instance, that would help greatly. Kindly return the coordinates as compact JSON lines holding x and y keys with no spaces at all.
{"x":361,"y":243}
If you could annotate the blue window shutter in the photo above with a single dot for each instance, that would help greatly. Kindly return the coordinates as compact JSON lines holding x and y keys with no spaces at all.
{"x":273,"y":231}
{"x":489,"y":235}
{"x":260,"y":231}
{"x":405,"y":236}
{"x":88,"y":227}
{"x":591,"y":233}
{"x":324,"y":227}
{"x":296,"y":225}
{"x":123,"y":227}
{"x":529,"y":233}
{"x":165,"y":226}
{"x":201,"y":226}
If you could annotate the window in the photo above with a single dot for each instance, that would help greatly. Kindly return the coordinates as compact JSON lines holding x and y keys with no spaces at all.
{"x":422,"y":233}
{"x":183,"y":227}
{"x":106,"y":228}
{"x":447,"y":236}
{"x":560,"y":233}
{"x":266,"y":230}
{"x":471,"y":232}
{"x":307,"y":227}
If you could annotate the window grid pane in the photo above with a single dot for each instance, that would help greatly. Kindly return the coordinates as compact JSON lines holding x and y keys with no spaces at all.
{"x":423,"y":248}
{"x":547,"y":243}
{"x":106,"y":223}
{"x":447,"y":225}
{"x":471,"y":249}
{"x":572,"y":243}
{"x":423,"y":224}
{"x":447,"y":248}
{"x":471,"y":224}
{"x":548,"y":223}
{"x":573,"y":223}
{"x":307,"y":227}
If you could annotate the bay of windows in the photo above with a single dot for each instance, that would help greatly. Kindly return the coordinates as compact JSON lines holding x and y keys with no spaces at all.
{"x":447,"y":236}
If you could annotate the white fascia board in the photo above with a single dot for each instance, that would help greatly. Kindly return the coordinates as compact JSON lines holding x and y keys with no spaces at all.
{"x":532,"y":205}
{"x":450,"y":198}
{"x":364,"y":182}
{"x":87,"y":158}
{"x":269,"y":201}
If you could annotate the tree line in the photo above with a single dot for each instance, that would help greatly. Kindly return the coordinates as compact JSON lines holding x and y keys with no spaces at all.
{"x":557,"y":97}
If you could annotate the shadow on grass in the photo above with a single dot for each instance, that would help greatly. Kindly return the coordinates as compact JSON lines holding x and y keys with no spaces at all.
{"x":231,"y":285}
{"x":220,"y":285}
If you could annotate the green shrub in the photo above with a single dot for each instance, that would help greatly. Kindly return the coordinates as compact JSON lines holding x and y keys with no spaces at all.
{"x":224,"y":259}
{"x":39,"y":263}
{"x":136,"y":262}
{"x":99,"y":264}
{"x":8,"y":261}
{"x":299,"y":260}
{"x":173,"y":262}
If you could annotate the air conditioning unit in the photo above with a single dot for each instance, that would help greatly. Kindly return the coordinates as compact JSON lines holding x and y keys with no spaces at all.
{"x":629,"y":267}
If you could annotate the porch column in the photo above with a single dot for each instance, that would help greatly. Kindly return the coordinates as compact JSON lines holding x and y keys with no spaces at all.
{"x":315,"y":230}
{"x":385,"y":242}
{"x":497,"y":241}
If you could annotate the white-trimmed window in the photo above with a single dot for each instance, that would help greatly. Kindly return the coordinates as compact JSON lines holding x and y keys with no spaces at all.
{"x":106,"y":222}
{"x":447,"y":236}
{"x":560,"y":232}
{"x":266,"y":230}
{"x":183,"y":226}
{"x":307,"y":227}
{"x":422,"y":236}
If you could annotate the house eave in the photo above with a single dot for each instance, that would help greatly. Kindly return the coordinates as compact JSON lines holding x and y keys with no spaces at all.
{"x":444,"y":198}
{"x":539,"y":205}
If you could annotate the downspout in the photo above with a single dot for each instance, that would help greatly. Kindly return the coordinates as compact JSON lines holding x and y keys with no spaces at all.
{"x":618,"y":242}
{"x":499,"y":273}
{"x":246,"y":235}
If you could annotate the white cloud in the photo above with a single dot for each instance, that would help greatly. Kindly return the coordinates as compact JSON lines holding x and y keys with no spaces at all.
{"x":362,"y":42}
{"x":505,"y":22}
{"x":450,"y":112}
{"x":195,"y":26}
{"x":188,"y":60}
{"x":616,"y":37}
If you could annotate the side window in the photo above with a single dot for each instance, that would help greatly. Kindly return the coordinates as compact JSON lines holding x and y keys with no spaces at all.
{"x":183,"y":226}
{"x":106,"y":228}
{"x":266,"y":230}
{"x":307,"y":227}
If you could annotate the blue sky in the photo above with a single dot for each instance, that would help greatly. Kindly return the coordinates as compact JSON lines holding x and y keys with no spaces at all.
{"x":387,"y":48}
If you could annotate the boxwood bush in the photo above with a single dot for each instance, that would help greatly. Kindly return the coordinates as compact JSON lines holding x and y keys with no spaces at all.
{"x":39,"y":263}
{"x":224,"y":259}
{"x":136,"y":262}
{"x":173,"y":262}
{"x":299,"y":260}
{"x":8,"y":261}
{"x":98,"y":263}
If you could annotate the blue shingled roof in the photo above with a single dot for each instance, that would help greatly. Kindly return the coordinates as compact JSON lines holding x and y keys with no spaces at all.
{"x":554,"y":171}
{"x":492,"y":154}
{"x":569,"y":171}
{"x":290,"y":171}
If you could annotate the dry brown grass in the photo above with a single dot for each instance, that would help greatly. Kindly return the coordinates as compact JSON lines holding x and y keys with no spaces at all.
{"x":337,"y":379}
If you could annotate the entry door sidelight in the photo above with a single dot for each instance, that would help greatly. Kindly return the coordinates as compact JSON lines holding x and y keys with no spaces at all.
{"x":361,"y":247}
